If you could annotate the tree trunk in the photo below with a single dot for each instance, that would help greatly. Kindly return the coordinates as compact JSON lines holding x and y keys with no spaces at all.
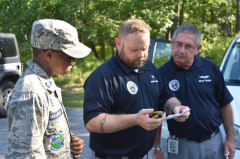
{"x":238,"y":16}
{"x":181,"y":14}
{"x":228,"y":25}
{"x":175,"y":20}
{"x":93,"y":47}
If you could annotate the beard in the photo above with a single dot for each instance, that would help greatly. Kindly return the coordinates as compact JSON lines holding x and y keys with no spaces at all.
{"x":138,"y":63}
{"x":132,"y":64}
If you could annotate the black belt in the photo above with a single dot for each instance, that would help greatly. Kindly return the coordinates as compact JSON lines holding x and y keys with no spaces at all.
{"x":104,"y":156}
{"x":204,"y":138}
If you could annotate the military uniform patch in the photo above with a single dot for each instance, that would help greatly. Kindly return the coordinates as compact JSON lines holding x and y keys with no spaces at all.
{"x":55,"y":115}
{"x":48,"y":84}
{"x":132,"y":87}
{"x":174,"y":85}
{"x":57,"y":142}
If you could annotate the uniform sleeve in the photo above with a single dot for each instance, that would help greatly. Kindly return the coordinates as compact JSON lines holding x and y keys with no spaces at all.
{"x":28,"y":118}
{"x":97,"y":96}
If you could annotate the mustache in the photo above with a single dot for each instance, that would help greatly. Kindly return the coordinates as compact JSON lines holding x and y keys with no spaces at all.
{"x":181,"y":55}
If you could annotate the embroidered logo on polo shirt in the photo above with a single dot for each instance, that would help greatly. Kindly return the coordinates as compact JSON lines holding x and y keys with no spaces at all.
{"x":57,"y":141}
{"x":154,"y":79}
{"x":174,"y":85}
{"x":132,"y":87}
{"x":205,"y":78}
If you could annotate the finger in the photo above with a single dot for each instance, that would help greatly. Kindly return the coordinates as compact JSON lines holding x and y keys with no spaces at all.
{"x":187,"y":113}
{"x":226,"y":152}
{"x":77,"y":143}
{"x":77,"y":148}
{"x":76,"y":139}
{"x":76,"y":152}
{"x":77,"y":156}
{"x":231,"y":154}
{"x":146,"y":111}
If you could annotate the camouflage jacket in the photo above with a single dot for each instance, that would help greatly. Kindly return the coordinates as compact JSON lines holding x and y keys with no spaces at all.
{"x":37,"y":121}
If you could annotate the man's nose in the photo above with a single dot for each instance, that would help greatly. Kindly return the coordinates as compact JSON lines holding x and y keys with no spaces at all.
{"x":141,"y":54}
{"x":182,"y":49}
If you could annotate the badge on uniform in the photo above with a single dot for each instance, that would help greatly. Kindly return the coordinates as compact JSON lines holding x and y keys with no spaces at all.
{"x":132,"y":87}
{"x":172,"y":146}
{"x":49,"y":84}
{"x":174,"y":85}
{"x":57,"y":141}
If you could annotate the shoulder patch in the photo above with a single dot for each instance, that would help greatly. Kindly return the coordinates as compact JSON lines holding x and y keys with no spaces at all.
{"x":57,"y":141}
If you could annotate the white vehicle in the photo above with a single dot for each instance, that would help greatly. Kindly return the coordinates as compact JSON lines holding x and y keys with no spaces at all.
{"x":160,"y":52}
{"x":10,"y":67}
{"x":230,"y":68}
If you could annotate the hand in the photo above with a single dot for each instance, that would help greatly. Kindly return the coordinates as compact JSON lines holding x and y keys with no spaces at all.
{"x":143,"y":120}
{"x":229,"y":149}
{"x":77,"y":146}
{"x":180,"y":109}
{"x":158,"y":155}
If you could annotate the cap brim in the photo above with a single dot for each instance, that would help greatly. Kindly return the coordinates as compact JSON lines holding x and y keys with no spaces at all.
{"x":79,"y":51}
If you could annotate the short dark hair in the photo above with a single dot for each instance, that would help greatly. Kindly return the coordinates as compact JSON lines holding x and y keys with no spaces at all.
{"x":133,"y":26}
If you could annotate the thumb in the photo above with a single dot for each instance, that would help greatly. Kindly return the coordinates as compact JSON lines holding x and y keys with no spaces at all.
{"x":226,"y":152}
{"x":74,"y":138}
{"x":146,"y":111}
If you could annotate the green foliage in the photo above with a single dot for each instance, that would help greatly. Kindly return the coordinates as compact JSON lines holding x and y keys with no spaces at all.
{"x":98,"y":23}
{"x":25,"y":50}
{"x":81,"y":69}
{"x":215,"y":48}
{"x":160,"y":61}
{"x":73,"y":94}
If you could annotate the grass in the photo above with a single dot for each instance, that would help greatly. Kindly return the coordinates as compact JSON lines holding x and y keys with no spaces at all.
{"x":73,"y":95}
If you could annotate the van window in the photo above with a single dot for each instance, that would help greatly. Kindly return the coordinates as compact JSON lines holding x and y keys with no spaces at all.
{"x":232,"y":69}
{"x":7,"y":47}
{"x":161,"y":52}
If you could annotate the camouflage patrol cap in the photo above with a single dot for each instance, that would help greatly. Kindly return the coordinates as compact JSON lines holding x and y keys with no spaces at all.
{"x":57,"y":35}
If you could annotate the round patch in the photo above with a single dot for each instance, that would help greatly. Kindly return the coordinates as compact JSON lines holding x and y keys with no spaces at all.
{"x":174,"y":85}
{"x":132,"y":87}
{"x":48,"y":84}
{"x":57,"y":142}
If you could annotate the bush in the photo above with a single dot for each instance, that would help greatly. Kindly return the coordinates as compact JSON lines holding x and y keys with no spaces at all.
{"x":215,"y":48}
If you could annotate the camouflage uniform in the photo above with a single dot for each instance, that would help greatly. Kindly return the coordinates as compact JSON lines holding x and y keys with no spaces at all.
{"x":38,"y":126}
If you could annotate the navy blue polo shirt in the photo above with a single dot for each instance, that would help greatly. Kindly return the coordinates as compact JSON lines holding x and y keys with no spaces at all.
{"x":114,"y":88}
{"x":202,"y":88}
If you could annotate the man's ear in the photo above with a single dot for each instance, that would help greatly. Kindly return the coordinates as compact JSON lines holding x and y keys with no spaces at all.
{"x":119,"y":43}
{"x":172,"y":43}
{"x":48,"y":55}
{"x":198,"y":49}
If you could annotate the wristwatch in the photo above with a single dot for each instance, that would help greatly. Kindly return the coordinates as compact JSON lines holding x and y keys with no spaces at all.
{"x":156,"y":149}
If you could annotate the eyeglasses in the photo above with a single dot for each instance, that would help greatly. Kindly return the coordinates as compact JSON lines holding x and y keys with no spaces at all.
{"x":68,"y":58}
{"x":187,"y":47}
